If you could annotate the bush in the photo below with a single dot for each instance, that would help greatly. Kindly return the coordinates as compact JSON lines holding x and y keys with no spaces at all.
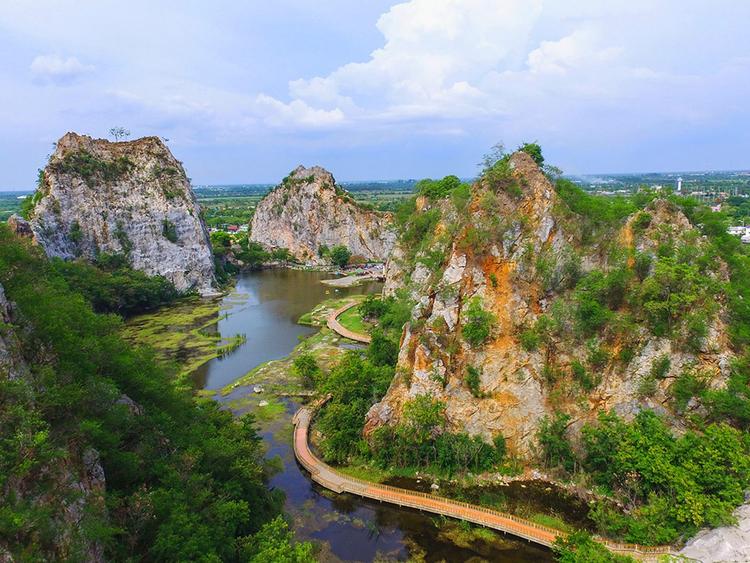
{"x":580,"y":547}
{"x":478,"y":324}
{"x":438,"y":189}
{"x":473,"y":381}
{"x":169,"y":230}
{"x":530,"y":340}
{"x":340,"y":255}
{"x":111,"y":286}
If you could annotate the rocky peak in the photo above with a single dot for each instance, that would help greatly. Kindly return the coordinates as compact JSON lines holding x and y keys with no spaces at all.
{"x":308,"y":211}
{"x":517,"y":254}
{"x":130,"y":197}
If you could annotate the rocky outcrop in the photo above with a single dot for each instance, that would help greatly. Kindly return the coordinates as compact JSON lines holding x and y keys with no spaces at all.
{"x":514,"y":254}
{"x":308,"y":211}
{"x":133,"y":198}
{"x":727,"y":544}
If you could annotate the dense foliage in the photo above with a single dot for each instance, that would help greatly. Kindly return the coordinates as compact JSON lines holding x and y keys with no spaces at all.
{"x":111,"y":286}
{"x":673,"y":485}
{"x":580,"y":547}
{"x":184,"y":480}
{"x":421,"y":441}
{"x":340,"y":255}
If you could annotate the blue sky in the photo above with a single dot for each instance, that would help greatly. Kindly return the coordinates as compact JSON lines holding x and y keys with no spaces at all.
{"x":245,"y":91}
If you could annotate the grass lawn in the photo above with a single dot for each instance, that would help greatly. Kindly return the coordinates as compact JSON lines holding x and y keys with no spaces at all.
{"x":352,"y":320}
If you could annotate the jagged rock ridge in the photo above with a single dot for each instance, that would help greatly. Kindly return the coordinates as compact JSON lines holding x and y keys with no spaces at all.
{"x":125,"y":197}
{"x":308,"y":211}
{"x":518,"y":277}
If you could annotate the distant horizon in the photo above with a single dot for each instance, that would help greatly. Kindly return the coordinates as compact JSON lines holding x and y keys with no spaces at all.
{"x":380,"y":89}
{"x":413,"y":179}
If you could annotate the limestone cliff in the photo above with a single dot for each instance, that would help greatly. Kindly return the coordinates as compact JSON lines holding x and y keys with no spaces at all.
{"x":308,"y":211}
{"x":126,"y":197}
{"x":517,"y":252}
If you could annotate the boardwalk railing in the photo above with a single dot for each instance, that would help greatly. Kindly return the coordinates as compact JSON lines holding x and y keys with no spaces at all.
{"x":338,"y":482}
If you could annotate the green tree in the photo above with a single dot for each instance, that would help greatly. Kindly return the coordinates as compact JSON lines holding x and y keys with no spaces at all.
{"x":307,"y":369}
{"x":534,"y":151}
{"x":340,"y":255}
{"x":555,"y":447}
{"x":274,"y":543}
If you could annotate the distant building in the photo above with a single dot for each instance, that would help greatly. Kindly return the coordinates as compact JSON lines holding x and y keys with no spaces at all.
{"x":716,"y":208}
{"x":244,"y":228}
{"x":233,"y":228}
{"x":679,"y":185}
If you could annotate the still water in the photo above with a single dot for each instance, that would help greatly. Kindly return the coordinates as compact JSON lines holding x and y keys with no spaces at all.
{"x":265,"y":307}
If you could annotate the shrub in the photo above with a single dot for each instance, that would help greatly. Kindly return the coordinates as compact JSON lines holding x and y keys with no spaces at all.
{"x":169,"y":230}
{"x":582,"y":376}
{"x":529,"y":340}
{"x":473,"y":381}
{"x":660,"y":367}
{"x":478,"y":325}
{"x":75,"y":234}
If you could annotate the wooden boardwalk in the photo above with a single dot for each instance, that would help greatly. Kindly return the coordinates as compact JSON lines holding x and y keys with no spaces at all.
{"x":331,"y":479}
{"x":334,"y":324}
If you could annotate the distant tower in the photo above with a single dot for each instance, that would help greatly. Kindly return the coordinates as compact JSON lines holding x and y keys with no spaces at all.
{"x":679,"y":185}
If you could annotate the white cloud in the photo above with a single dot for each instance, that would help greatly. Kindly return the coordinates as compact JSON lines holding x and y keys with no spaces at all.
{"x":59,"y":70}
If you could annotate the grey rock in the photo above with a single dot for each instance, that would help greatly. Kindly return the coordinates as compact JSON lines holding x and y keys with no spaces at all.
{"x":308,"y":210}
{"x":127,"y":211}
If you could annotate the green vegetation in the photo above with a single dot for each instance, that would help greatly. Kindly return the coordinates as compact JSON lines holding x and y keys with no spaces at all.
{"x":478,"y":325}
{"x":556,"y":449}
{"x":440,"y":189}
{"x":111,"y":286}
{"x":275,"y":543}
{"x":420,"y":441}
{"x":534,"y":151}
{"x":473,"y":381}
{"x":675,"y":485}
{"x":185,"y":481}
{"x":352,"y":319}
{"x":169,"y":230}
{"x":340,"y":255}
{"x":580,"y":547}
{"x":92,"y":168}
{"x":354,"y":384}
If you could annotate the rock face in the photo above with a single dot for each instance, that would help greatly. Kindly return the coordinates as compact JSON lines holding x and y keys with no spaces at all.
{"x":728,"y":544}
{"x":308,"y":210}
{"x":127,"y":197}
{"x":518,"y":273}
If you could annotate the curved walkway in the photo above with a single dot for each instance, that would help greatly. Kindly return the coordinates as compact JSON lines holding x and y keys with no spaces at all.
{"x":331,"y":479}
{"x":334,"y":324}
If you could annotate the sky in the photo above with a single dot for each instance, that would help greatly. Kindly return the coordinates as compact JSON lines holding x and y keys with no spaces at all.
{"x":374,"y":89}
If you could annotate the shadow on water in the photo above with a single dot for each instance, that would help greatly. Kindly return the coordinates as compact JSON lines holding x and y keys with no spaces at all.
{"x":265,"y":306}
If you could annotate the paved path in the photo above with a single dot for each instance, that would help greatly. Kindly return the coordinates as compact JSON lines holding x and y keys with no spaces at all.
{"x":331,"y":479}
{"x":334,"y":324}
